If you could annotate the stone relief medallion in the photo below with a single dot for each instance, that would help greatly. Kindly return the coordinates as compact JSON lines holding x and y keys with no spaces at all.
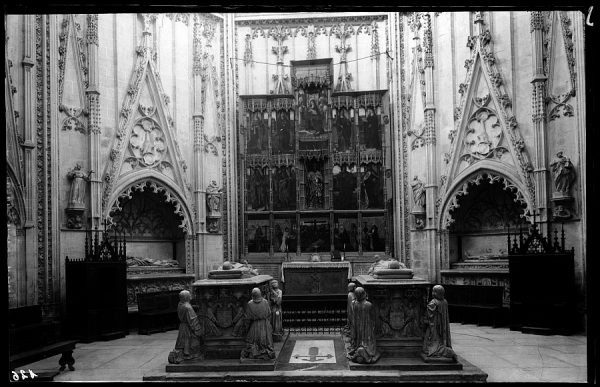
{"x":147,"y":142}
{"x":483,"y":133}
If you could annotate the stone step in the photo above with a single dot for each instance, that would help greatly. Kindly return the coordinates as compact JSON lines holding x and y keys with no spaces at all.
{"x":231,"y":365}
{"x":408,"y":363}
{"x":392,"y":376}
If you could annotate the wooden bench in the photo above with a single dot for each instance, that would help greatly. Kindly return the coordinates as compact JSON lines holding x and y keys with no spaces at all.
{"x":481,"y":305}
{"x":157,"y":311}
{"x":32,"y":339}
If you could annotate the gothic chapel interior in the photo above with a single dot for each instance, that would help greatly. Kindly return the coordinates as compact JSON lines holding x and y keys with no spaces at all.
{"x":185,"y":140}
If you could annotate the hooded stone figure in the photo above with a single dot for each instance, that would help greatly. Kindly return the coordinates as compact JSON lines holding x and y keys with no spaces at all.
{"x":363,"y":345}
{"x":191,"y":332}
{"x":275,"y":299}
{"x":436,"y":343}
{"x":351,"y":298}
{"x":259,"y":340}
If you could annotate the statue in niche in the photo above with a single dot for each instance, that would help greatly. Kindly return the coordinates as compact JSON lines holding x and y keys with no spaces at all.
{"x":341,"y":239}
{"x":323,"y":107}
{"x":314,"y":118}
{"x":436,"y":343}
{"x":258,"y":186}
{"x":344,"y":127}
{"x":363,"y":348}
{"x":353,"y":237}
{"x":314,"y":197}
{"x":259,"y":340}
{"x":191,"y":331}
{"x":284,"y":183}
{"x":258,"y":135}
{"x":275,"y":299}
{"x":346,"y":183}
{"x":418,"y":189}
{"x":371,"y":190}
{"x":563,"y":173}
{"x":284,"y":247}
{"x":372,"y":131}
{"x":78,"y":182}
{"x":260,"y":239}
{"x":213,"y":198}
{"x":351,"y":297}
{"x":302,"y":113}
{"x":373,"y":239}
{"x":284,"y":131}
{"x":276,"y":237}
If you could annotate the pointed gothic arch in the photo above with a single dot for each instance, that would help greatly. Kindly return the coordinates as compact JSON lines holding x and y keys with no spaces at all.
{"x":491,"y":171}
{"x":153,"y":180}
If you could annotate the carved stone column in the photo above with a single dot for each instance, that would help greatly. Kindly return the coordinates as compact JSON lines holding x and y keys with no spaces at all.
{"x":29,"y":151}
{"x":197,"y":165}
{"x":399,"y":147}
{"x":93,"y":99}
{"x":538,"y":102}
{"x":430,"y":149}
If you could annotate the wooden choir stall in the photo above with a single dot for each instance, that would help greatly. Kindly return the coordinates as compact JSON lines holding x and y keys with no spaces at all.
{"x":96,"y":289}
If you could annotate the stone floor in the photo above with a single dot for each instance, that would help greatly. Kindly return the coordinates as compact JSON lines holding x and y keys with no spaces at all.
{"x":506,"y":356}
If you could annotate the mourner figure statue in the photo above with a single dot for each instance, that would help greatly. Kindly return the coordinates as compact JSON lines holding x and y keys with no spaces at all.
{"x":363,"y":347}
{"x":436,"y":343}
{"x":351,"y":297}
{"x":191,"y":331}
{"x":259,"y":340}
{"x":276,"y":313}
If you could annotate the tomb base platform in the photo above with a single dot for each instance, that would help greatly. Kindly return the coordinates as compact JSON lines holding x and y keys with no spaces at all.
{"x":412,"y":362}
{"x":216,"y":365}
{"x":221,"y":304}
{"x":468,"y":374}
{"x":337,"y":368}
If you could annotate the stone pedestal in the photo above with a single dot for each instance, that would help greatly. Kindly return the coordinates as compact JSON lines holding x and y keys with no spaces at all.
{"x":400,"y":309}
{"x":400,"y":306}
{"x":220,"y":304}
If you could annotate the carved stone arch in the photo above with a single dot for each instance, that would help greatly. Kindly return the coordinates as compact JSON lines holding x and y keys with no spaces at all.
{"x":491,"y":171}
{"x":153,"y":180}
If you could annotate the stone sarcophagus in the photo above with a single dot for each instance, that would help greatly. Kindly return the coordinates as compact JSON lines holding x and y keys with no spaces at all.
{"x":220,"y":305}
{"x":400,"y":309}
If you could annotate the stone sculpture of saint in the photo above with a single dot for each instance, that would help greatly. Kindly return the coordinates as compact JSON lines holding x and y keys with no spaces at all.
{"x":418,"y":189}
{"x":213,"y":197}
{"x":436,"y":343}
{"x":351,"y":298}
{"x":563,"y":173}
{"x":191,"y":331}
{"x":363,"y":347}
{"x":275,"y":300}
{"x":78,"y":182}
{"x":259,"y":340}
